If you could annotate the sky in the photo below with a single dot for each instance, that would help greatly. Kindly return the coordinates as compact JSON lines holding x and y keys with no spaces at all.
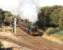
{"x":27,"y":8}
{"x":13,"y":4}
{"x":42,"y":3}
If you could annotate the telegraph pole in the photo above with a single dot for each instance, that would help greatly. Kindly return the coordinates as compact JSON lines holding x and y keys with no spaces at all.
{"x":14,"y":25}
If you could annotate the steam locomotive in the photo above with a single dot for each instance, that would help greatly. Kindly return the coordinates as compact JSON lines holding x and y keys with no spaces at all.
{"x":29,"y":28}
{"x":33,"y":29}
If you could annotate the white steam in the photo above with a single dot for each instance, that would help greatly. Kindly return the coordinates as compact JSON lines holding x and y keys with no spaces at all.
{"x":28,"y":10}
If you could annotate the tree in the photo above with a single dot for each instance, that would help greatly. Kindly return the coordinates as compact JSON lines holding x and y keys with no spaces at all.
{"x":8,"y":17}
{"x":1,"y":45}
{"x":44,"y":19}
{"x":2,"y":17}
{"x":57,"y":17}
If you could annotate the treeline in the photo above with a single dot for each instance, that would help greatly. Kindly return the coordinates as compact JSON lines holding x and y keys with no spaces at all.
{"x":50,"y":17}
{"x":5,"y":17}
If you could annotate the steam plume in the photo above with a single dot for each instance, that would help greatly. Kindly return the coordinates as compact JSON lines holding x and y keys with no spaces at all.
{"x":28,"y":10}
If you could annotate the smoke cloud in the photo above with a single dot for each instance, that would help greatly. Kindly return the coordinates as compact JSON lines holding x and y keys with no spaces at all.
{"x":28,"y":10}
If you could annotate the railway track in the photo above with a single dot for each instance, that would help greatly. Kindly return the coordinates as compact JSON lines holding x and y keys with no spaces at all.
{"x":34,"y":43}
{"x":32,"y":31}
{"x":18,"y":42}
{"x":40,"y":43}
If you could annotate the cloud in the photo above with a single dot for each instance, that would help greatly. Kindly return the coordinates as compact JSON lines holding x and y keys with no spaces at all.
{"x":9,"y":5}
{"x":14,"y":4}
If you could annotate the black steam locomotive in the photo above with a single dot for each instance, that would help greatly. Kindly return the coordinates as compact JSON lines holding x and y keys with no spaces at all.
{"x":33,"y":29}
{"x":29,"y":28}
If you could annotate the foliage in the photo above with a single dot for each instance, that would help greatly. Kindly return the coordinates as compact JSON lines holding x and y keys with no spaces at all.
{"x":51,"y":30}
{"x":49,"y":17}
{"x":8,"y":16}
{"x":1,"y":45}
{"x":5,"y":16}
{"x":7,"y":13}
{"x":57,"y":17}
{"x":1,"y":15}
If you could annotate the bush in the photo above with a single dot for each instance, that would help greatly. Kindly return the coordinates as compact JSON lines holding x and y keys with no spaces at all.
{"x":1,"y":45}
{"x":50,"y":31}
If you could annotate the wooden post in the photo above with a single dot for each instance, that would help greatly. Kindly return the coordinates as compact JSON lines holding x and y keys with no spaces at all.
{"x":14,"y":25}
